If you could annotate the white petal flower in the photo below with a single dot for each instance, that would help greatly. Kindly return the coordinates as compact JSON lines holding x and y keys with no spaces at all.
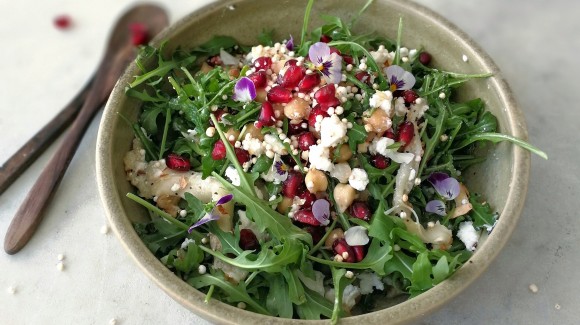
{"x":356,"y":236}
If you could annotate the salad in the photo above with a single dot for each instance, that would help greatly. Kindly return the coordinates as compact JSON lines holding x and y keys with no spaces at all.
{"x":307,"y":178}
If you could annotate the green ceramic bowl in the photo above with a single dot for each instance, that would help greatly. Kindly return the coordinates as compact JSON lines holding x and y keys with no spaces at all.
{"x":502,"y":178}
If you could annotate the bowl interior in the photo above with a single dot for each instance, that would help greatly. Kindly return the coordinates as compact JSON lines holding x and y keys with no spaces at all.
{"x":501,"y":179}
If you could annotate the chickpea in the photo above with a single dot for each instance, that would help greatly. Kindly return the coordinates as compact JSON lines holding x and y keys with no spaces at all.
{"x":252,"y":130}
{"x":344,"y":195}
{"x":297,"y":109}
{"x":261,"y":95}
{"x":363,"y":147}
{"x":278,"y":110}
{"x":277,"y":66}
{"x":284,"y":205}
{"x":378,"y":122}
{"x":168,"y":203}
{"x":316,"y":181}
{"x":344,"y":154}
{"x":232,"y":132}
{"x":334,"y":235}
{"x":234,"y":73}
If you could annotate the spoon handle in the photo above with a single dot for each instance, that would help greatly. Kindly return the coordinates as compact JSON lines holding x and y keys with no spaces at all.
{"x":31,"y":150}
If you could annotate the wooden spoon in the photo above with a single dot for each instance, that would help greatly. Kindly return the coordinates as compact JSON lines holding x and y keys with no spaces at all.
{"x":120,"y":51}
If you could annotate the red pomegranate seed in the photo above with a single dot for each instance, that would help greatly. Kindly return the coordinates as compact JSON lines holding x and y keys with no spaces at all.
{"x":248,"y":240}
{"x":219,"y":150}
{"x":215,"y":61}
{"x":359,"y":253}
{"x":340,"y":247}
{"x":305,"y":140}
{"x":62,"y":22}
{"x":334,"y":50}
{"x":306,"y":217}
{"x":316,"y":232}
{"x":279,"y":94}
{"x":360,"y":210}
{"x":331,"y":103}
{"x":266,"y":117}
{"x":363,"y":77}
{"x":291,"y":186}
{"x":390,"y":134}
{"x":259,"y":78}
{"x":325,"y":38}
{"x":380,"y":161}
{"x":347,"y":59}
{"x":425,"y":58}
{"x":308,"y":198}
{"x":316,"y":111}
{"x":218,"y":115}
{"x":294,"y":129}
{"x":406,"y":132}
{"x":325,"y":94}
{"x":242,"y":155}
{"x":291,"y":62}
{"x":292,"y":76}
{"x":139,"y":34}
{"x":409,"y":96}
{"x":263,"y":62}
{"x":176,"y":162}
{"x":309,"y":82}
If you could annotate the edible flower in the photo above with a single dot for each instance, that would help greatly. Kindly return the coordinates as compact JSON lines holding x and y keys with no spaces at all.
{"x":213,"y":215}
{"x":244,"y":90}
{"x":290,"y":44}
{"x":327,"y":63}
{"x":281,"y":167}
{"x":399,"y":79}
{"x":447,"y":187}
{"x":321,"y":211}
{"x":356,"y":236}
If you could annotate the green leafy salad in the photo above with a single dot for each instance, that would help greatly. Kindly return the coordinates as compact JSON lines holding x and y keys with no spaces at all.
{"x":307,"y":178}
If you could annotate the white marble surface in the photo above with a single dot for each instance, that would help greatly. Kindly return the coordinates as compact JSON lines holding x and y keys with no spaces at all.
{"x":535,"y":43}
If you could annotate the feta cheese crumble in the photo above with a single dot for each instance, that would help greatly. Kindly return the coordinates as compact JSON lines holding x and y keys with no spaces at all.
{"x":358,"y":179}
{"x":382,"y":100}
{"x":468,"y":235}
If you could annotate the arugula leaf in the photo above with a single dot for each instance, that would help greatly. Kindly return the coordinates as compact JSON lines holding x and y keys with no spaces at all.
{"x":229,"y":241}
{"x":401,"y":263}
{"x":481,"y":212}
{"x":295,"y":288}
{"x":378,"y":254}
{"x":188,"y":260}
{"x":340,"y":282}
{"x":235,"y":292}
{"x":315,"y":306}
{"x":421,"y":277}
{"x":278,"y":299}
{"x":441,"y":270}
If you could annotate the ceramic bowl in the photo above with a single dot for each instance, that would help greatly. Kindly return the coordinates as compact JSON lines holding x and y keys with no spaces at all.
{"x":502,"y":178}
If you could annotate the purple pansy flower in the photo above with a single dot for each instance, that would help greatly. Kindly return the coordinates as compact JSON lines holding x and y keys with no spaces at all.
{"x":329,"y":64}
{"x":290,"y":44}
{"x":447,"y":187}
{"x":321,"y":211}
{"x":213,"y":215}
{"x":245,"y":90}
{"x":280,"y":167}
{"x":399,"y":79}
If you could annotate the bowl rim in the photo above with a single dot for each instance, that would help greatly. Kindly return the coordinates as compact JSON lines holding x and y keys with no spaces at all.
{"x":404,"y":312}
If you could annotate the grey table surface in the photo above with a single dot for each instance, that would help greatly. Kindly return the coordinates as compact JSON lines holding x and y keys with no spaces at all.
{"x":535,"y":43}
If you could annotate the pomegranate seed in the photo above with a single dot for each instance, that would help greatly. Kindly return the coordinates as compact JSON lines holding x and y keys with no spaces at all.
{"x":360,"y":210}
{"x":340,"y":247}
{"x":359,"y":253}
{"x":263,"y":62}
{"x":291,"y":62}
{"x":176,"y":162}
{"x":409,"y":96}
{"x":291,"y":186}
{"x":363,"y":77}
{"x":347,"y":59}
{"x":325,"y":38}
{"x":218,"y":115}
{"x":305,"y":140}
{"x":219,"y":150}
{"x":259,"y":78}
{"x":215,"y":61}
{"x":325,"y":94}
{"x":331,"y":103}
{"x":380,"y":161}
{"x":425,"y":58}
{"x":390,"y":134}
{"x":139,"y":34}
{"x":317,"y":110}
{"x":242,"y":155}
{"x":292,"y":76}
{"x":334,"y":50}
{"x":306,"y":216}
{"x":248,"y":240}
{"x":308,"y":198}
{"x":279,"y":94}
{"x":316,"y":232}
{"x":294,"y":129}
{"x":309,"y":82}
{"x":406,"y":132}
{"x":62,"y":22}
{"x":266,"y":117}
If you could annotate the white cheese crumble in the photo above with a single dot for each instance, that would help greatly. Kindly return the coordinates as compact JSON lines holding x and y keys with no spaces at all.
{"x":319,"y":158}
{"x":381,"y":146}
{"x":382,"y":100}
{"x":186,"y":242}
{"x":358,"y":179}
{"x":332,"y":131}
{"x":341,"y":172}
{"x":233,"y":175}
{"x":368,"y":280}
{"x":468,"y":235}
